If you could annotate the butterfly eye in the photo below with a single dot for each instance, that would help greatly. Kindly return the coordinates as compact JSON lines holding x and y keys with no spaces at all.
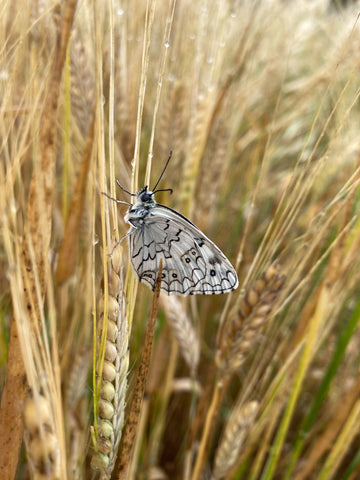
{"x":146,"y":197}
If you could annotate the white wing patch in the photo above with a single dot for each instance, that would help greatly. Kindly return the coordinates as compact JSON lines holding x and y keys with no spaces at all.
{"x":192,"y":264}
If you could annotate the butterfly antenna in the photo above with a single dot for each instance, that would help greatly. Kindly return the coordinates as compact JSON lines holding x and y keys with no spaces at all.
{"x":162,"y":173}
{"x":163,"y":190}
{"x":115,"y":199}
{"x":124,"y":189}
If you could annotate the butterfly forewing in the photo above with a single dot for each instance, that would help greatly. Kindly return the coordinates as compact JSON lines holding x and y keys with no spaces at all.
{"x":192,"y":264}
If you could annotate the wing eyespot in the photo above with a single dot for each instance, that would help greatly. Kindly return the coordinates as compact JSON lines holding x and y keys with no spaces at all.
{"x":149,"y":275}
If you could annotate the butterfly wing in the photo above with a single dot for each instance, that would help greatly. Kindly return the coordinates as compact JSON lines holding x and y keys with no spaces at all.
{"x":191,"y":262}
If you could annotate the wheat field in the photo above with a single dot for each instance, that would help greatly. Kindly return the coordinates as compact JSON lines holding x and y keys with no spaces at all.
{"x":259,"y":103}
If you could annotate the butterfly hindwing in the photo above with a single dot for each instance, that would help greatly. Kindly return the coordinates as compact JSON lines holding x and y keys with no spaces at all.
{"x":191,"y":262}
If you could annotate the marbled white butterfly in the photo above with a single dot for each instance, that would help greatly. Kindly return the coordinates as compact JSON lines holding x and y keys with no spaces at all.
{"x":192,"y":263}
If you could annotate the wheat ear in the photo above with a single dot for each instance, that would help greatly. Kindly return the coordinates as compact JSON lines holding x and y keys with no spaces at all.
{"x":114,"y":373}
{"x":246,"y":324}
{"x":232,"y":442}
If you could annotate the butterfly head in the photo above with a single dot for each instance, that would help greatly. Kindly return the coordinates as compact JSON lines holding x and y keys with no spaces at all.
{"x":144,"y":203}
{"x":145,"y":197}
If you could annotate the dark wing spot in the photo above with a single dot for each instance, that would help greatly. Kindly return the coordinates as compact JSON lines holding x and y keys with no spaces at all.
{"x":187,"y":260}
{"x":212,"y":273}
{"x":199,"y":241}
{"x":174,"y":275}
{"x":214,"y":260}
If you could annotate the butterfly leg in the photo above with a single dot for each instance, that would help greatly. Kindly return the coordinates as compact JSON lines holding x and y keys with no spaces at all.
{"x":118,"y":243}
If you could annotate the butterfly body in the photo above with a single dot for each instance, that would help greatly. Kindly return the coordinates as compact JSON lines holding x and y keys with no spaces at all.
{"x":192,"y":264}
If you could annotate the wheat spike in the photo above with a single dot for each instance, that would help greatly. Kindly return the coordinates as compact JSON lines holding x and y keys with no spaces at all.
{"x":74,"y":411}
{"x":235,"y":434}
{"x":82,"y":83}
{"x":246,"y":325}
{"x":40,"y":438}
{"x":199,"y":127}
{"x":178,"y":119}
{"x":211,"y":178}
{"x":114,"y":373}
{"x":183,"y":330}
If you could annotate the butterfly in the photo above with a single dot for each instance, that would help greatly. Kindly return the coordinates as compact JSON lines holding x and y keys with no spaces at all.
{"x":192,"y":264}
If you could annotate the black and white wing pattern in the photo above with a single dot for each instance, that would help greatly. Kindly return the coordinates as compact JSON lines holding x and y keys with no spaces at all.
{"x":192,"y":264}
